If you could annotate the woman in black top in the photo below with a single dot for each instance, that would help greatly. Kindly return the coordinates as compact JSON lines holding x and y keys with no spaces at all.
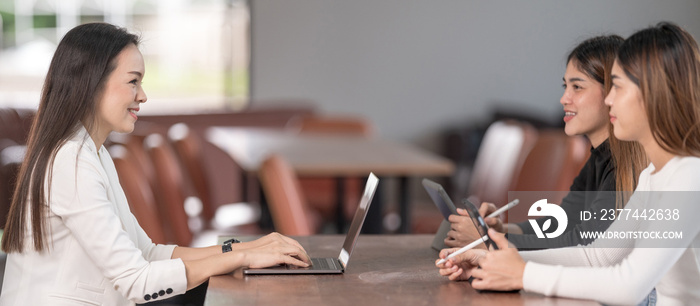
{"x":586,"y":82}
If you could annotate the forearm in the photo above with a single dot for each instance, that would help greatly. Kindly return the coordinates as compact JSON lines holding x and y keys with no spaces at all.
{"x":625,"y":283}
{"x":187,"y":254}
{"x":199,"y":270}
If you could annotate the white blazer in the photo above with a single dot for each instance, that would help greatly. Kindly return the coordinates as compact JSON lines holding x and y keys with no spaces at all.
{"x":98,"y":254}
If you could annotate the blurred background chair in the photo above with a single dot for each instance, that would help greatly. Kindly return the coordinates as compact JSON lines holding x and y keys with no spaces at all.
{"x":188,"y":147}
{"x":322,"y":192}
{"x":181,"y":210}
{"x":15,"y":124}
{"x":499,"y":160}
{"x":138,"y":193}
{"x":134,"y":143}
{"x":11,"y":158}
{"x":290,"y":213}
{"x":549,"y":169}
{"x":170,"y":196}
{"x":514,"y":156}
{"x":14,"y":128}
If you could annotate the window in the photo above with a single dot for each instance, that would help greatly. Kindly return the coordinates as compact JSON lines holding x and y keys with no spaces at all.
{"x":196,"y":51}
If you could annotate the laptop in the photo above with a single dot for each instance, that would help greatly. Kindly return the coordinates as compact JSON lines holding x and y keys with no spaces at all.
{"x":332,"y":265}
{"x":446,"y":208}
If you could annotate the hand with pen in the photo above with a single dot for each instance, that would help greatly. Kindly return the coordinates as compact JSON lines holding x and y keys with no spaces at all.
{"x":462,"y":229}
{"x":495,"y":222}
{"x":500,"y":269}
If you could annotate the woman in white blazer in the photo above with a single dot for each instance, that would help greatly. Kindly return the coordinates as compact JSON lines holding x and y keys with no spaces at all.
{"x":70,"y":236}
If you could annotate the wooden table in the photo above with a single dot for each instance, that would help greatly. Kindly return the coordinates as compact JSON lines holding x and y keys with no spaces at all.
{"x":383,"y":270}
{"x":335,"y":156}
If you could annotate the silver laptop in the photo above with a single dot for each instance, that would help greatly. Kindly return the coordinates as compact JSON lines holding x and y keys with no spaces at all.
{"x":332,"y":265}
{"x":446,"y":208}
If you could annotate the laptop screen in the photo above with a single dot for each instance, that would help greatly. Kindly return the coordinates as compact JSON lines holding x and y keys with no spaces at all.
{"x":358,"y":219}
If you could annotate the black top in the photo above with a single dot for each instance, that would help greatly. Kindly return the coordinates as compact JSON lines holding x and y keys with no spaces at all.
{"x":593,"y":190}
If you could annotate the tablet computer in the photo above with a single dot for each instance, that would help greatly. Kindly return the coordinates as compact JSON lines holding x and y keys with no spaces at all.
{"x":444,"y":204}
{"x":440,"y":198}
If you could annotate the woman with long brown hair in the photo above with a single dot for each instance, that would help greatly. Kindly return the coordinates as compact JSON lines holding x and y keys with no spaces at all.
{"x":655,"y":101}
{"x":613,"y":164}
{"x":70,"y":236}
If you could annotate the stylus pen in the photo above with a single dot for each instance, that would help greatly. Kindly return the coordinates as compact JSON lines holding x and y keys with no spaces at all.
{"x":464,"y":249}
{"x":504,"y":208}
{"x":478,"y":241}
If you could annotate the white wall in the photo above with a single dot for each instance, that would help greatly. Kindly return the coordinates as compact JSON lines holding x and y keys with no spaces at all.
{"x":417,"y":67}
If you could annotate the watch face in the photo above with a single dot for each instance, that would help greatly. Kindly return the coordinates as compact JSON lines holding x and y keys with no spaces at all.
{"x":479,"y":223}
{"x":232,"y":240}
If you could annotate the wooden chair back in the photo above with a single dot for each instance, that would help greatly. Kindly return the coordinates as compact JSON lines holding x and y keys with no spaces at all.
{"x":499,"y":160}
{"x":138,"y":193}
{"x":549,"y":170}
{"x":170,"y":194}
{"x":188,"y":147}
{"x":284,"y":198}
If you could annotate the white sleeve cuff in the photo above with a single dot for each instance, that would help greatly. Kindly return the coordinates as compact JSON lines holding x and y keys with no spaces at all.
{"x":170,"y":280}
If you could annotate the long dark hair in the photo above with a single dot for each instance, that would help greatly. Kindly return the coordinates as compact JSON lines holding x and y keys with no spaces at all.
{"x":664,"y":62}
{"x":595,"y":57}
{"x":83,"y":61}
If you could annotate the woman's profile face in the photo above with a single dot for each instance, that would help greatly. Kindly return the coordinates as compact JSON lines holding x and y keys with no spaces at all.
{"x":627,"y":113}
{"x":119,"y":104}
{"x":585,"y":112}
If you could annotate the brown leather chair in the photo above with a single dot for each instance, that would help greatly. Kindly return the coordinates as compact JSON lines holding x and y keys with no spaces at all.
{"x":499,"y":160}
{"x":137,"y":153}
{"x":288,"y":208}
{"x":15,"y":124}
{"x":549,"y":169}
{"x":188,"y":147}
{"x":14,"y":129}
{"x":170,"y":195}
{"x":502,"y":152}
{"x":180,"y":210}
{"x":138,"y":192}
{"x":11,"y":157}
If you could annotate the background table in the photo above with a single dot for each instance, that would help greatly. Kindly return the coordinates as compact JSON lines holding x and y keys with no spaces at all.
{"x":334,"y":156}
{"x":383,"y":270}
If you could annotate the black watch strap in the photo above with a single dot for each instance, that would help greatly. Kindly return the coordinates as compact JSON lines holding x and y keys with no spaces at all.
{"x":226,"y":247}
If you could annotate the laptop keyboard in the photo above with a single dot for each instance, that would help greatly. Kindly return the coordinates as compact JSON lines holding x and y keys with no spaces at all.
{"x":316,"y":264}
{"x":322,"y":263}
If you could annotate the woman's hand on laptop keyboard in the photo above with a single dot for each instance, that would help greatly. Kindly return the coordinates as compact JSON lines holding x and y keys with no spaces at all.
{"x":273,"y":249}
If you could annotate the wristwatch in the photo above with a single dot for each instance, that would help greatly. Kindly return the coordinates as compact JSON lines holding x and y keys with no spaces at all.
{"x":226,"y":247}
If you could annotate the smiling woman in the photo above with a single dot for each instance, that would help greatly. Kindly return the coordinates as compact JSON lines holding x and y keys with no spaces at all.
{"x":655,"y":101}
{"x":70,"y":236}
{"x":612,"y":165}
{"x":584,"y":114}
{"x":122,"y":96}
